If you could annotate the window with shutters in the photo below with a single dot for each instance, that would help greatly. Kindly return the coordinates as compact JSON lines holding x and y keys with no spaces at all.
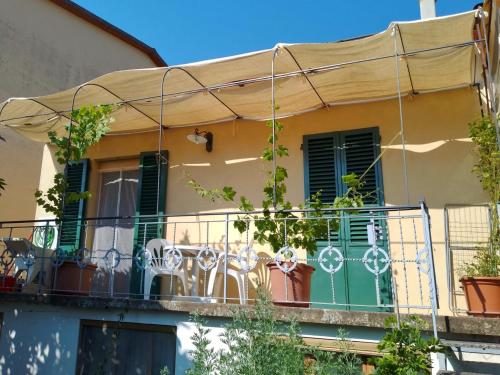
{"x":327,"y":157}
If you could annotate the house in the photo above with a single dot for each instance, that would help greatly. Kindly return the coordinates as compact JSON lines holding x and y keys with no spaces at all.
{"x":393,"y":108}
{"x":53,"y":45}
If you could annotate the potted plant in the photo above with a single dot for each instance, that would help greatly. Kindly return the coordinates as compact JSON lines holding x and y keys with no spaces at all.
{"x":88,"y":125}
{"x":282,"y":228}
{"x":481,"y":283}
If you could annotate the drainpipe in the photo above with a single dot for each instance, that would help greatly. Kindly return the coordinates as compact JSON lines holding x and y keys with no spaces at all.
{"x":427,"y":9}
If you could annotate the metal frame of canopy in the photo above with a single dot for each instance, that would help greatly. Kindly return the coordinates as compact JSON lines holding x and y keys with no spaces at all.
{"x":397,"y":56}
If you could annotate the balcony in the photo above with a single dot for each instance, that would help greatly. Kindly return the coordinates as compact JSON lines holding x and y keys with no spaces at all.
{"x":376,"y":259}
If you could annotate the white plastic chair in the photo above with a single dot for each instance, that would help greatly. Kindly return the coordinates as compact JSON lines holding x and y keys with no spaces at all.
{"x":155,"y":266}
{"x":238,"y":275}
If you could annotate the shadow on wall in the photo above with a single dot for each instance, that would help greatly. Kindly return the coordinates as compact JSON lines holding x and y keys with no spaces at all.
{"x":37,"y":341}
{"x":439,"y":173}
{"x":484,"y":364}
{"x":37,"y":346}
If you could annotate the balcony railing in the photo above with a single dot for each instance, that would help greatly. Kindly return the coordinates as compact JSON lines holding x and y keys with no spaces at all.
{"x":379,"y":259}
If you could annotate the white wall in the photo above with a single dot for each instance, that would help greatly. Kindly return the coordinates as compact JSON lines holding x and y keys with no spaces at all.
{"x":44,"y":339}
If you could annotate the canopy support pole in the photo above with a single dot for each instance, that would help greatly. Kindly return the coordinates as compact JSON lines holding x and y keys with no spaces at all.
{"x":401,"y":120}
{"x":159,"y":159}
{"x":273,"y":103}
{"x":489,"y":85}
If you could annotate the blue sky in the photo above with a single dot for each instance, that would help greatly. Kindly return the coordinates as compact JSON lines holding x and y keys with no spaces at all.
{"x":184,"y":31}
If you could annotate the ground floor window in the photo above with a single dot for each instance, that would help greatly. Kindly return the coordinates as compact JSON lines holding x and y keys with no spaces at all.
{"x":124,"y":348}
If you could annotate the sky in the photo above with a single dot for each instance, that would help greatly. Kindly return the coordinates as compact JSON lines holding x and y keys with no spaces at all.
{"x":184,"y":31}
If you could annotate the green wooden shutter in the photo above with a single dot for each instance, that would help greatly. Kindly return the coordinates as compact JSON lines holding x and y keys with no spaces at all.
{"x":360,"y":150}
{"x":321,"y":157}
{"x":147,"y":228}
{"x":322,"y":170}
{"x":320,"y":166}
{"x":71,"y":227}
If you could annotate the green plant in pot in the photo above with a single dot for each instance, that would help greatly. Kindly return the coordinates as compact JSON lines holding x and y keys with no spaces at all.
{"x":284,"y":229}
{"x":88,"y":125}
{"x":481,"y":282}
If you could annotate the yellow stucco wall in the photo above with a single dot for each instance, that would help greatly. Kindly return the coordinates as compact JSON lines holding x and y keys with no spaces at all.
{"x":439,"y":156}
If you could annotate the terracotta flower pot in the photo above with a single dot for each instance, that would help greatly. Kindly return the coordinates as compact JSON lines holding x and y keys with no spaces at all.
{"x":7,"y":283}
{"x":71,"y":279}
{"x":292,"y":288}
{"x":482,"y":295}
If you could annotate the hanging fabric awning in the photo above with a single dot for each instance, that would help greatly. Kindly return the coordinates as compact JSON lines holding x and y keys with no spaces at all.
{"x":435,"y":54}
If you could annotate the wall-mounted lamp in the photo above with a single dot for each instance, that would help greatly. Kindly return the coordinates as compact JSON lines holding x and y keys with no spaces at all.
{"x":200,"y":137}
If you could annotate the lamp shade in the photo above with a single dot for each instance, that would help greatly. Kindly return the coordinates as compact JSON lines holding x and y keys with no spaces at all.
{"x":196,"y":138}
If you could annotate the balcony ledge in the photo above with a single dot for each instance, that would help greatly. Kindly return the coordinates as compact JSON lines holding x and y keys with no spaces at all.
{"x":452,"y":327}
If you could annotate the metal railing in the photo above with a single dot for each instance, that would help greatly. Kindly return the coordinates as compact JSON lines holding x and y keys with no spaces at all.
{"x":468,"y":229}
{"x":380,"y":259}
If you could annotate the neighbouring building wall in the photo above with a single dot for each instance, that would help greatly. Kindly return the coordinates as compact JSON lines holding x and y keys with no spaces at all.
{"x":439,"y":157}
{"x":46,"y":49}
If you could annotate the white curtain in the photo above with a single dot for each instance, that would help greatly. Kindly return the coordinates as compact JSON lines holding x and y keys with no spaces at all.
{"x":117,"y":198}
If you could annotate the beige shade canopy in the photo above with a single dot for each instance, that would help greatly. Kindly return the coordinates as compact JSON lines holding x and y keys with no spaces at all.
{"x":435,"y":54}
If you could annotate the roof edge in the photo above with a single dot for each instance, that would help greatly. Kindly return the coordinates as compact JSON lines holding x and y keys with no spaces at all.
{"x":97,"y":21}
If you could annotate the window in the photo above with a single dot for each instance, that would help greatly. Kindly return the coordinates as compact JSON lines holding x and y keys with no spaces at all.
{"x":124,"y":348}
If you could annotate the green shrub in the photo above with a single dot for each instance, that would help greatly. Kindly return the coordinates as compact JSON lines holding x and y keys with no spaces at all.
{"x":257,"y":343}
{"x":406,"y":352}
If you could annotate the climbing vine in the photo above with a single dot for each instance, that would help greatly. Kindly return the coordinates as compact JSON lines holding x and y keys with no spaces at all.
{"x":88,"y":125}
{"x":279,"y":225}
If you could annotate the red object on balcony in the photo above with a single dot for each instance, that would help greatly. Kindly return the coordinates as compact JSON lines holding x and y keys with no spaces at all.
{"x":7,"y":283}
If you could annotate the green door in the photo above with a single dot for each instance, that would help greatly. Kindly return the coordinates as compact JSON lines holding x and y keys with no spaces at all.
{"x":327,"y":158}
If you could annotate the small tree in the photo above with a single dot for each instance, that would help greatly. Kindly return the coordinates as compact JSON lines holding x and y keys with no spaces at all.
{"x":89,"y":125}
{"x":257,"y":343}
{"x":487,"y":168}
{"x":406,"y":351}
